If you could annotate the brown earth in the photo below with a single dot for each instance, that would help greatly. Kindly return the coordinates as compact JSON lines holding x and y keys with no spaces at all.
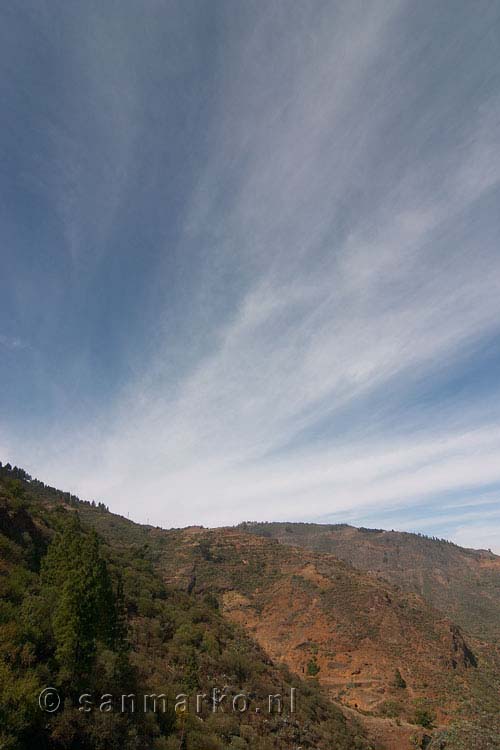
{"x":383,"y":649}
{"x":463,"y":583}
{"x":330,"y":622}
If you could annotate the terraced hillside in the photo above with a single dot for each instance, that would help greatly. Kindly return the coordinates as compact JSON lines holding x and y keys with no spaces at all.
{"x":463,"y":583}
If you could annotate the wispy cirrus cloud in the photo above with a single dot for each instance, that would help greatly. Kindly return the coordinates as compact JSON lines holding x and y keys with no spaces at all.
{"x":340,"y":241}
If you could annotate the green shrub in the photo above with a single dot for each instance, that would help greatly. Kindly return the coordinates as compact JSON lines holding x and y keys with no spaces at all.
{"x":313,"y":668}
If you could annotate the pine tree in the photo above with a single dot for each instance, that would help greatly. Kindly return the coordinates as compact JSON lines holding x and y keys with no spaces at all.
{"x":83,"y":606}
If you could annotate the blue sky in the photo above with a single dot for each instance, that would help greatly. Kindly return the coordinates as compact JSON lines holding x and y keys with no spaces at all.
{"x":250,"y":259}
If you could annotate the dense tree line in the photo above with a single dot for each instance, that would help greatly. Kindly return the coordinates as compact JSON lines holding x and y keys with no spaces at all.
{"x":44,"y":490}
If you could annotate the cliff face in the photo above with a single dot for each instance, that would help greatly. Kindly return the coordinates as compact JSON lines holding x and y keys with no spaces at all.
{"x":463,"y":583}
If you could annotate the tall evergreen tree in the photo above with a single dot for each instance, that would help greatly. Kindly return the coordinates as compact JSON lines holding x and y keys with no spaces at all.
{"x":83,"y":605}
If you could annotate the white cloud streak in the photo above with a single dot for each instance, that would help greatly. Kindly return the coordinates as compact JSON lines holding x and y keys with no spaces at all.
{"x":332,"y":308}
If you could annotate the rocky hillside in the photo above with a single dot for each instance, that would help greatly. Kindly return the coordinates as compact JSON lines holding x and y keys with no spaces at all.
{"x":383,"y":654}
{"x":463,"y":583}
{"x":374,"y":648}
{"x":376,"y":665}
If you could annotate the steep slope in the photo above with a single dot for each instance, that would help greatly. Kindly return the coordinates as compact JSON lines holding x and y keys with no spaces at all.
{"x":363,"y":638}
{"x":375,"y":649}
{"x":463,"y":583}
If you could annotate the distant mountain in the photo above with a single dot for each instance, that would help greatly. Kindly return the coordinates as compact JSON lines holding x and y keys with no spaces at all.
{"x":462,"y":583}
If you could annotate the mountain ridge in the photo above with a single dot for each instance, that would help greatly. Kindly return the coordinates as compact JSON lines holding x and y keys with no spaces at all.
{"x":384,"y":655}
